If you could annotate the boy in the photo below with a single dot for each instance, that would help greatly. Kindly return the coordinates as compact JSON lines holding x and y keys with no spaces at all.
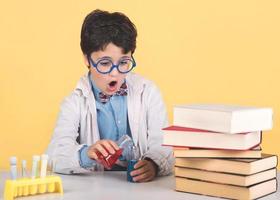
{"x":109,"y":102}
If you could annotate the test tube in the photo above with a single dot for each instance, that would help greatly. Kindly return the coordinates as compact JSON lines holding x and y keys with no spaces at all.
{"x":51,"y":167}
{"x":44,"y":163}
{"x":24,"y":190}
{"x":35,"y":160}
{"x":50,"y":172}
{"x":34,"y":173}
{"x":13,"y":167}
{"x":23,"y":169}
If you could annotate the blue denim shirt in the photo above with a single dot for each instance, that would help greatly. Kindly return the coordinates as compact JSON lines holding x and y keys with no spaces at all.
{"x":112,"y":121}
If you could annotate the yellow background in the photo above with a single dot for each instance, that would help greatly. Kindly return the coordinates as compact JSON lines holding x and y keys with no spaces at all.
{"x":196,"y":51}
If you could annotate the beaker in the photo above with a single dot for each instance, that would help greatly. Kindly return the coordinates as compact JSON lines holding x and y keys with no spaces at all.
{"x":125,"y":143}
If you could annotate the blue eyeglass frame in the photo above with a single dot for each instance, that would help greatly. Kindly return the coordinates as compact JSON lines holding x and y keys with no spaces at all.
{"x":92,"y":63}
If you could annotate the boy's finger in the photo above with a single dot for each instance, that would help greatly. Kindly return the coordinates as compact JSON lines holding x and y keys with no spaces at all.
{"x":109,"y":147}
{"x":142,"y":177}
{"x":101,"y":149}
{"x":93,"y":155}
{"x":140,"y":164}
{"x":139,"y":171}
{"x":114,"y":144}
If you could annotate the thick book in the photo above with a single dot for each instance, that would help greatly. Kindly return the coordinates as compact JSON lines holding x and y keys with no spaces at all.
{"x":224,"y":190}
{"x":223,"y":118}
{"x":189,"y":137}
{"x":216,"y":153}
{"x":226,"y":165}
{"x":226,"y":178}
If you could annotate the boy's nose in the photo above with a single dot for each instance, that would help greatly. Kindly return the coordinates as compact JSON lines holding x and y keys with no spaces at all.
{"x":114,"y":72}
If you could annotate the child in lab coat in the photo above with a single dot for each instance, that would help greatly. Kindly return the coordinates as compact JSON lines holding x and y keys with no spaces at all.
{"x":108,"y":102}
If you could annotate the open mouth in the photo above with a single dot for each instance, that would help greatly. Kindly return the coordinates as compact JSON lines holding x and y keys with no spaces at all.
{"x":112,"y":83}
{"x":112,"y":86}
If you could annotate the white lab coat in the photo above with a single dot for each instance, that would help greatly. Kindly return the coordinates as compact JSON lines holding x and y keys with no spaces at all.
{"x":146,"y":115}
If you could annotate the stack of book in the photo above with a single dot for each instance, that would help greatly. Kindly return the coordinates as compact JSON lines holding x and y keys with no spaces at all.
{"x":217,"y":151}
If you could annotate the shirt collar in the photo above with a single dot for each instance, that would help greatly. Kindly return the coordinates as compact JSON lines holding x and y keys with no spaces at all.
{"x":94,"y":88}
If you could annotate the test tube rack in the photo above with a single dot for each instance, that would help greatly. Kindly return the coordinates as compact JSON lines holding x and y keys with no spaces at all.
{"x":28,"y":186}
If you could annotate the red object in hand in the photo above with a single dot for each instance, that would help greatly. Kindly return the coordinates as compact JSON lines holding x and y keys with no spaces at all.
{"x":109,"y":160}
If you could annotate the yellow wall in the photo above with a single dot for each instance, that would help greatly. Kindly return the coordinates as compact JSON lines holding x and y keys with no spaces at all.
{"x":196,"y":51}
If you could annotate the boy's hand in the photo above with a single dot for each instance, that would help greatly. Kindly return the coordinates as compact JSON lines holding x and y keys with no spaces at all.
{"x":102,"y":146}
{"x":145,"y":170}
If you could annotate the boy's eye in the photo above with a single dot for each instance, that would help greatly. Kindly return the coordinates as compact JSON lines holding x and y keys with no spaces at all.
{"x":123,"y":62}
{"x":105,"y":63}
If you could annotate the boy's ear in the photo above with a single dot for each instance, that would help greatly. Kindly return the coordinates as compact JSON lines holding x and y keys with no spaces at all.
{"x":86,"y":60}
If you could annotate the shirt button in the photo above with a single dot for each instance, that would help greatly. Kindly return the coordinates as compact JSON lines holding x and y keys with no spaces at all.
{"x":119,"y":121}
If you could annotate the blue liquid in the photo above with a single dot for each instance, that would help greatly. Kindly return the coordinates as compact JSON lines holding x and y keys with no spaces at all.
{"x":130,"y":168}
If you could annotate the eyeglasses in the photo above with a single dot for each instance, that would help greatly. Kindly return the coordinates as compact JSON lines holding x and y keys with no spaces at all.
{"x":106,"y":65}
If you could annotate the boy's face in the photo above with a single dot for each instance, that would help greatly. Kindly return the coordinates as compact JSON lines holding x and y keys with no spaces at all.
{"x":108,"y":83}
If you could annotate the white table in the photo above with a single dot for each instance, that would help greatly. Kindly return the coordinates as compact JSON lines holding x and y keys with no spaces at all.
{"x":113,"y":186}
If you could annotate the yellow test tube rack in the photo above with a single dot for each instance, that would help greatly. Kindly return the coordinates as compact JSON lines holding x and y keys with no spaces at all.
{"x":28,"y":186}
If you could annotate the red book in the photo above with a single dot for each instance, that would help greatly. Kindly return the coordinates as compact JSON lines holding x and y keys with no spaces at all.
{"x":197,"y":138}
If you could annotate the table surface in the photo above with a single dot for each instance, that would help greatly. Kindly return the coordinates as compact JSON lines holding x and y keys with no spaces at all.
{"x":113,"y":185}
